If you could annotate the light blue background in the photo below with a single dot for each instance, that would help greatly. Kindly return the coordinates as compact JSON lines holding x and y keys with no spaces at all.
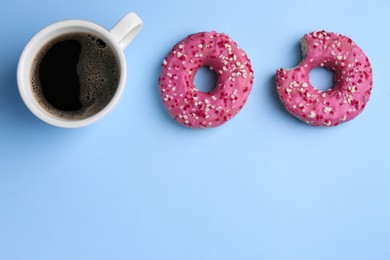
{"x":136,"y":185}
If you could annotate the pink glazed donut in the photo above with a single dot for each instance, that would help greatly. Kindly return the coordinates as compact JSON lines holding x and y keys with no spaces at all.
{"x":191,"y":107}
{"x":352,"y":87}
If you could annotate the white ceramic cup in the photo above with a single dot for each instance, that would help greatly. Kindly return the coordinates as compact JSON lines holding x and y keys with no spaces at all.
{"x":119,"y":37}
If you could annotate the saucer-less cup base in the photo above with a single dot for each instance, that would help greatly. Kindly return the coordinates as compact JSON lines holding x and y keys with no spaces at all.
{"x":119,"y":37}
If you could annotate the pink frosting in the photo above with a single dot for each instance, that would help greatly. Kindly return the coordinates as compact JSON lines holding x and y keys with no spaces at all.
{"x":191,"y":107}
{"x":353,"y":81}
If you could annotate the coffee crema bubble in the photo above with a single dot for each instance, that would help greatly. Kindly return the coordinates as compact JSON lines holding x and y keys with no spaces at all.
{"x":75,"y":75}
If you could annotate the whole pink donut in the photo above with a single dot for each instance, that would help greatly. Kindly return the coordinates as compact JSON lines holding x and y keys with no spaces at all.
{"x":191,"y":107}
{"x":352,"y":87}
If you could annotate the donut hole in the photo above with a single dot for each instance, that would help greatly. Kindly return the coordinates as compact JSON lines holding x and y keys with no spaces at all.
{"x":322,"y":78}
{"x":205,"y":79}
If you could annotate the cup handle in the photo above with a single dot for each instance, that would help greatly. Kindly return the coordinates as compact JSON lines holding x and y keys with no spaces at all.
{"x":126,"y":29}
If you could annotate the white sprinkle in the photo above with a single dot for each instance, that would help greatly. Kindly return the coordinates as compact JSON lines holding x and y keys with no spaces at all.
{"x":312,"y":114}
{"x":181,"y":46}
{"x":327,"y":123}
{"x":339,"y":57}
{"x":214,"y":98}
{"x":179,"y":54}
{"x":165,"y":62}
{"x":200,"y":46}
{"x":294,"y":84}
{"x":305,"y":85}
{"x":327,"y":109}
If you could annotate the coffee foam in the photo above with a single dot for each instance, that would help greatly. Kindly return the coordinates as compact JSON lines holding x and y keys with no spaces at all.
{"x":98,"y":72}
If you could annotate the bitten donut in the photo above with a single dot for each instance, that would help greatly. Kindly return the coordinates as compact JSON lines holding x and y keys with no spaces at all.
{"x":352,"y":86}
{"x":196,"y":109}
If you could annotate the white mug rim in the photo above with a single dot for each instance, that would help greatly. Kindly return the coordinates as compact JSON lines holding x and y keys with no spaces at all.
{"x":37,"y":42}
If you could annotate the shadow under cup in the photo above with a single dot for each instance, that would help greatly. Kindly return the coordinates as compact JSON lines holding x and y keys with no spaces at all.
{"x":67,"y":61}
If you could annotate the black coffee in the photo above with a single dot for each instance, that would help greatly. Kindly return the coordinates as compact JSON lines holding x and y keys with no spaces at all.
{"x":75,"y":75}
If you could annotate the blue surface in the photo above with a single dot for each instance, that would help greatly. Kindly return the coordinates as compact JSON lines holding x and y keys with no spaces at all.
{"x":136,"y":185}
